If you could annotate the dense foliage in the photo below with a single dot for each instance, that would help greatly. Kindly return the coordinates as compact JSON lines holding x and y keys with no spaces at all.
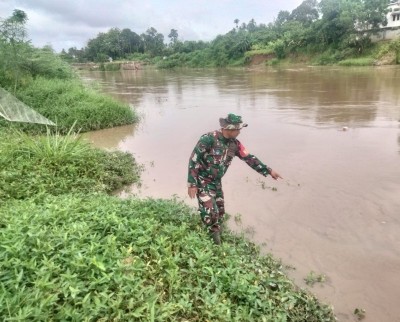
{"x":338,"y":29}
{"x":99,"y":258}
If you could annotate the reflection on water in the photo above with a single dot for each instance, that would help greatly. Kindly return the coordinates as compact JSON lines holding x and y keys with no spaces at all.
{"x":337,"y":210}
{"x":110,"y":138}
{"x":329,"y":96}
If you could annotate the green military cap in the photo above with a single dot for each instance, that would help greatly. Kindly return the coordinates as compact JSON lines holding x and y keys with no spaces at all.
{"x":232,"y":122}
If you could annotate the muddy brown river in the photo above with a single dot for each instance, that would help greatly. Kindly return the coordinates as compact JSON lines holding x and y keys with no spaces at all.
{"x":332,"y":133}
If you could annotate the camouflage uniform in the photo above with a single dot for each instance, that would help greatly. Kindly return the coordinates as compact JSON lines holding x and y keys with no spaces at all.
{"x":208,"y":163}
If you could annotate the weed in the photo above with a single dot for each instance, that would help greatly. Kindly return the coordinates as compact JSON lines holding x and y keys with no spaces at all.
{"x":264,"y":185}
{"x":359,"y":313}
{"x":313,"y":278}
{"x":250,"y":230}
{"x":238,"y":219}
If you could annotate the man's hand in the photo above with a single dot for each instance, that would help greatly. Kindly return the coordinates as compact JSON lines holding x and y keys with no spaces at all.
{"x":192,"y":192}
{"x":275,"y":175}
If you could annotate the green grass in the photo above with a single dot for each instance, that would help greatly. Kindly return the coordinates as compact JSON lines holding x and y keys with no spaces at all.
{"x":364,"y":61}
{"x":86,"y":257}
{"x":68,"y":102}
{"x":34,"y":166}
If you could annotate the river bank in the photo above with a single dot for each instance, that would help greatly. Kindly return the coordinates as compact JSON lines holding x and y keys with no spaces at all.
{"x":70,"y":251}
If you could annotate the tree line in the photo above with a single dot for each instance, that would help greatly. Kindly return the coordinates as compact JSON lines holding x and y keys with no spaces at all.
{"x":342,"y":26}
{"x":337,"y":28}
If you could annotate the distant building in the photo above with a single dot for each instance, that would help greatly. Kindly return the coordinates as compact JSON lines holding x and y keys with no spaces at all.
{"x":392,"y":29}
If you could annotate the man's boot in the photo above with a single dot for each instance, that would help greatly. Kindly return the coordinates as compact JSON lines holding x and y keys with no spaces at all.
{"x":216,"y":236}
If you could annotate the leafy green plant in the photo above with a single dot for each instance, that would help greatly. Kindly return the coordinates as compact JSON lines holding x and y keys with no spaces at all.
{"x":88,"y":257}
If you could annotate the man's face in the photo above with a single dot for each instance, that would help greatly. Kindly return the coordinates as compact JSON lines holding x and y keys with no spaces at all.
{"x":230,"y":134}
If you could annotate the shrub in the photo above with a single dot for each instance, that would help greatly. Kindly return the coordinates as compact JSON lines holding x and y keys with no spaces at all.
{"x":110,"y":66}
{"x":279,"y":48}
{"x":272,"y":62}
{"x":326,"y":58}
{"x":43,"y":62}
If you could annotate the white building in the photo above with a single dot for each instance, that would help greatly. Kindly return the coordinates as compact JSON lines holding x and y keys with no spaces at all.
{"x":393,"y":15}
{"x":392,"y":29}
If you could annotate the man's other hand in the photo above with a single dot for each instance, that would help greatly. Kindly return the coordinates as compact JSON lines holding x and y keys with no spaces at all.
{"x":192,"y":192}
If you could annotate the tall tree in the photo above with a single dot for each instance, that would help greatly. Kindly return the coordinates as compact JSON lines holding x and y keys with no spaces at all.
{"x":113,"y":43}
{"x":13,"y":36}
{"x":283,"y":17}
{"x":173,"y":36}
{"x":344,"y":19}
{"x":306,"y":13}
{"x":131,"y":42}
{"x":338,"y":20}
{"x":373,"y":14}
{"x":96,"y":47}
{"x":252,"y":25}
{"x":153,"y":41}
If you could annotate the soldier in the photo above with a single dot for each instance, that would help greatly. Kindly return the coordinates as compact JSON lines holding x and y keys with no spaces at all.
{"x":208,"y":163}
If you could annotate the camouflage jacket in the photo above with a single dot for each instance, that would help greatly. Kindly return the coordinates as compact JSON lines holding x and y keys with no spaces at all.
{"x":213,"y":155}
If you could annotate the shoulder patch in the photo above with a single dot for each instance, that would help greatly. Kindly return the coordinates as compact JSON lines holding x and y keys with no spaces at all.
{"x":242,"y":150}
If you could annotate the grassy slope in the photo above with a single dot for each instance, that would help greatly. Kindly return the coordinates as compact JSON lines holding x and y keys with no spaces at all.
{"x":68,"y":102}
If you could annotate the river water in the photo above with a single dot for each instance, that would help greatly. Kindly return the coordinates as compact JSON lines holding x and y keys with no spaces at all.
{"x":332,"y":133}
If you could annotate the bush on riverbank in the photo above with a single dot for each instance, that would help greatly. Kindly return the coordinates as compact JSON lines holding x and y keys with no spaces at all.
{"x":196,"y":59}
{"x":54,"y":164}
{"x":68,"y":102}
{"x":95,"y":257}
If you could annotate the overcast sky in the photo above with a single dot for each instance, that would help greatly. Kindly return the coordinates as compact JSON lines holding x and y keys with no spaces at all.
{"x":65,"y":24}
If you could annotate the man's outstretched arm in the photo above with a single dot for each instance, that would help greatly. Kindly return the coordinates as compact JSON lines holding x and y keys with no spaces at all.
{"x":254,"y":163}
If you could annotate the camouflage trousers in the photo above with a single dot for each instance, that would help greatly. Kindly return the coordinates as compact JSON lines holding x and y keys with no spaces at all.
{"x":211,"y":206}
